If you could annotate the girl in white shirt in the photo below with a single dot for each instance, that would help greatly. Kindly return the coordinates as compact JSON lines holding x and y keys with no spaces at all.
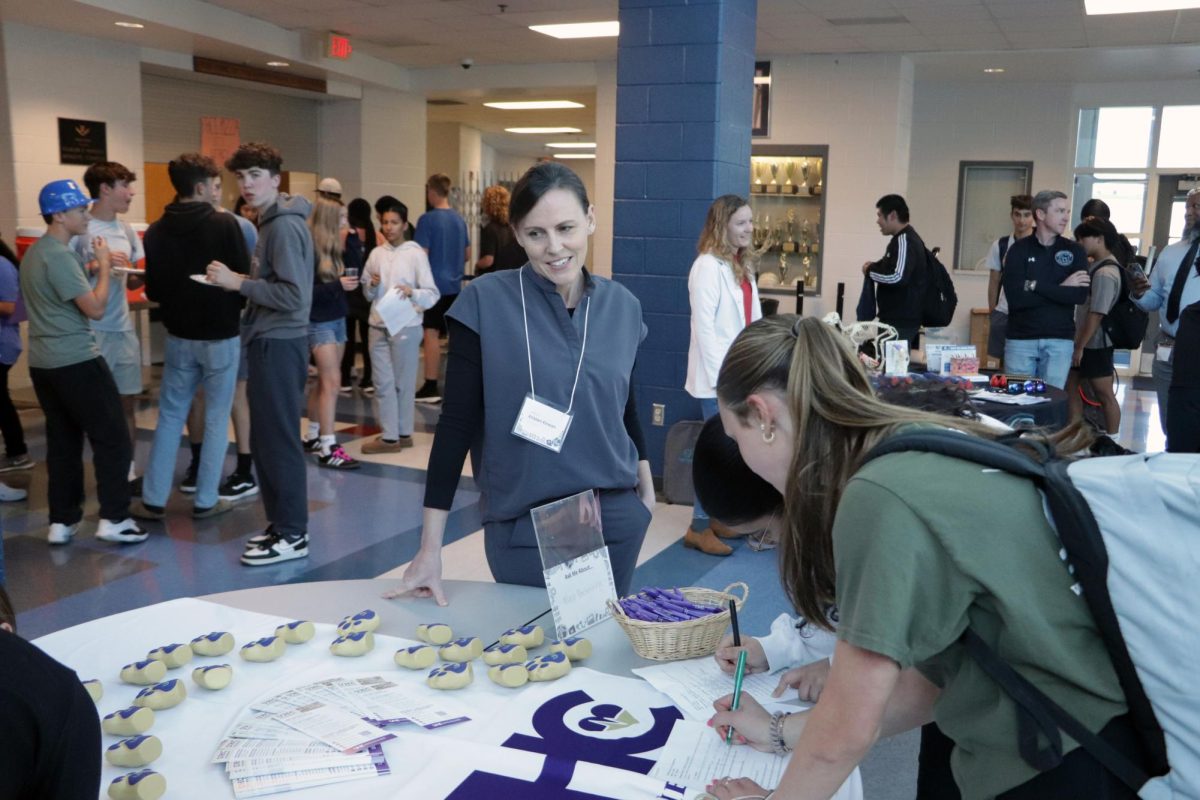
{"x":724,"y":299}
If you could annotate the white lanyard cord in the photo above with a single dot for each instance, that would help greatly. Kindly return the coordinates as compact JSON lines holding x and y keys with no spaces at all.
{"x":529,"y":354}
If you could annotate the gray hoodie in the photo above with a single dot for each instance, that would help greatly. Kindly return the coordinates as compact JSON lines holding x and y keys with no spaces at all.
{"x":281,"y":273}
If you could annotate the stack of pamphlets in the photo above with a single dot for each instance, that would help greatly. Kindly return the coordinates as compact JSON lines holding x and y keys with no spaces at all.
{"x":328,"y":731}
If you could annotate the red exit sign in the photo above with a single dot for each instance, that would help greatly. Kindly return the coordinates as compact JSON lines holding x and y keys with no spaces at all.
{"x":339,"y":46}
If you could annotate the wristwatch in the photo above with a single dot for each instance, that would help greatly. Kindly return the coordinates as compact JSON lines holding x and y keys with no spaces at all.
{"x":778,"y":745}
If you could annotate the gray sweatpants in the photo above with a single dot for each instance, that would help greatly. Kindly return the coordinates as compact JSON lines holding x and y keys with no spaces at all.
{"x":394,"y":364}
{"x":275,"y":390}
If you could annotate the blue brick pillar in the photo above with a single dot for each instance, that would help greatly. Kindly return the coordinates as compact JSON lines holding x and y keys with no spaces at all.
{"x":685,"y":77}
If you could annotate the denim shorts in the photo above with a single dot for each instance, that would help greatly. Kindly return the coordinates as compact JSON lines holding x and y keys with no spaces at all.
{"x":330,"y":332}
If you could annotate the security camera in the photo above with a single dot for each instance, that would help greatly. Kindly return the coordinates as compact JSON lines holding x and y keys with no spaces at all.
{"x":467,"y":63}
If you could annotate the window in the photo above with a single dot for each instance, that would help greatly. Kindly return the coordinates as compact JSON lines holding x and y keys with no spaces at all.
{"x":1177,"y":140}
{"x":1114,"y":138}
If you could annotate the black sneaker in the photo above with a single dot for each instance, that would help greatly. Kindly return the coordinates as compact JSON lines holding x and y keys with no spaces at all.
{"x":428,"y":394}
{"x":188,"y":484}
{"x":238,"y":486}
{"x":337,"y":459}
{"x":367,"y":388}
{"x":277,"y":548}
{"x":312,"y":445}
{"x":261,"y":538}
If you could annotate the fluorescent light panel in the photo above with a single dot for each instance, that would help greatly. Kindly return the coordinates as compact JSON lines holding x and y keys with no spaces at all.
{"x":134,"y":25}
{"x":543,"y":130}
{"x":1137,"y":6}
{"x":574,"y":155}
{"x":993,"y":70}
{"x":579,"y":30}
{"x":571,"y":145}
{"x":529,"y":105}
{"x":278,"y":64}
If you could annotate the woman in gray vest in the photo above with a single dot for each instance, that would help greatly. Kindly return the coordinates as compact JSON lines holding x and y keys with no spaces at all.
{"x":545,"y":411}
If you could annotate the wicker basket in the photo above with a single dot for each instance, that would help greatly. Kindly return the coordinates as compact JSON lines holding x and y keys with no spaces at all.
{"x":675,"y":641}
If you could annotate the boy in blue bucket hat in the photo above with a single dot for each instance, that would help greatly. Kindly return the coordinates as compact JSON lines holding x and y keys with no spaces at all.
{"x":73,"y":384}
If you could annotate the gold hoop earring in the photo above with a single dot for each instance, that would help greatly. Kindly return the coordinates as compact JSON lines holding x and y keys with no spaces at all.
{"x":768,"y":436}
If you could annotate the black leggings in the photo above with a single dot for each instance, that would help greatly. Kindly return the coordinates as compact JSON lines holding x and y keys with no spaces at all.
{"x":10,"y":421}
{"x":356,"y":327}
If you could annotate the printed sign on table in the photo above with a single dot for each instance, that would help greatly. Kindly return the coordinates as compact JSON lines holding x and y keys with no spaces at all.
{"x":575,"y":562}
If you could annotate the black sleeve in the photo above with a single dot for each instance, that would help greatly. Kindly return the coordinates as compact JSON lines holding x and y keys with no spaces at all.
{"x":73,"y":755}
{"x":633,"y":425}
{"x":461,"y":418}
{"x":489,"y":245}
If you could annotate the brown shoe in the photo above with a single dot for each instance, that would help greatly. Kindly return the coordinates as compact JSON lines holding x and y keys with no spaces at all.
{"x":378,"y":446}
{"x":706,"y":542}
{"x":722,"y":530}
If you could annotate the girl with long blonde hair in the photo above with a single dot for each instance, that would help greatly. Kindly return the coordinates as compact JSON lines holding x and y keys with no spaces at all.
{"x":327,"y":330}
{"x":724,"y":300}
{"x":915,"y":548}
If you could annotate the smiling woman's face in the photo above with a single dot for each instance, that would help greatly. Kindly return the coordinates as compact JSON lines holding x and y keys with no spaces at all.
{"x":555,"y":236}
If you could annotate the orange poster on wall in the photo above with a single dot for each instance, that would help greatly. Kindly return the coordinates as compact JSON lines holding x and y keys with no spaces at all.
{"x":219,"y":137}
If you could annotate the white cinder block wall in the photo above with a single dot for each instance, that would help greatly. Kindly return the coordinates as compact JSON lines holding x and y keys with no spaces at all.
{"x":47,"y":75}
{"x":859,"y":105}
{"x":172,"y":108}
{"x":393,"y":147}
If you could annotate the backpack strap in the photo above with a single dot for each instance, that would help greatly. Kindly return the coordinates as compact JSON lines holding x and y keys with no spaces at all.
{"x":1080,"y":535}
{"x":1038,"y":714}
{"x":1003,"y":244}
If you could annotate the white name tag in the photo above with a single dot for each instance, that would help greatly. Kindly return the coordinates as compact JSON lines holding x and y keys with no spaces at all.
{"x":542,"y":424}
{"x":1163,"y":353}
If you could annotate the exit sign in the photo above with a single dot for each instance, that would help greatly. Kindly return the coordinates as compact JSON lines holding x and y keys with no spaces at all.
{"x":338,"y":46}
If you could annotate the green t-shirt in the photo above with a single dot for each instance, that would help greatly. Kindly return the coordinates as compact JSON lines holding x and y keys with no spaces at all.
{"x":925,"y":545}
{"x":51,"y":278}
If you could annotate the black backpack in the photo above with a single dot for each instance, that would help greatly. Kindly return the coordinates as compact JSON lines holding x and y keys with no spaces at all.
{"x":1125,"y":324}
{"x":1040,"y":720}
{"x":939,"y":298}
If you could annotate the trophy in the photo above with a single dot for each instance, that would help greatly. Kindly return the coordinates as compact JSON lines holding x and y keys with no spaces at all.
{"x":783,"y":268}
{"x":789,"y":238}
{"x":773,"y":186}
{"x":757,"y":187}
{"x":810,"y":275}
{"x":804,"y":173}
{"x":789,"y":184}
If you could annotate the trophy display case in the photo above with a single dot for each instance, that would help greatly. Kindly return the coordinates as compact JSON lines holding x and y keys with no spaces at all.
{"x":787,"y":195}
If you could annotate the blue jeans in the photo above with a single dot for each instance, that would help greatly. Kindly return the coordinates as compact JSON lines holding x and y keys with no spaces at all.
{"x":189,"y":364}
{"x":708,"y":408}
{"x":1048,"y":359}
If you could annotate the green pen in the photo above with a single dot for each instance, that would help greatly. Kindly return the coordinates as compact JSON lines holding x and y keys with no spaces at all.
{"x":737,"y":690}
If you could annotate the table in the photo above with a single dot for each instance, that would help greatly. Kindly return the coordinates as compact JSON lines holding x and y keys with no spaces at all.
{"x":1052,"y":415}
{"x":430,"y":763}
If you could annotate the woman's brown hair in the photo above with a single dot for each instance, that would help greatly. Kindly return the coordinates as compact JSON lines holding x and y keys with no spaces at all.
{"x":837,"y":420}
{"x":714,"y":239}
{"x":495,"y":204}
{"x":325,"y":224}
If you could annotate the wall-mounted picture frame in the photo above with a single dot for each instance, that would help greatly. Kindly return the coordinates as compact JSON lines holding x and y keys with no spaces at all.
{"x":984,"y":190}
{"x":761,"y":124}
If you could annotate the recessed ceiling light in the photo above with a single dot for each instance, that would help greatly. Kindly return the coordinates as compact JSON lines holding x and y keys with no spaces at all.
{"x":543,"y":130}
{"x":123,"y":24}
{"x":579,"y":30}
{"x":1137,"y":6}
{"x":574,"y":155}
{"x":528,"y":105}
{"x":993,"y":70}
{"x":571,"y":145}
{"x":278,"y":64}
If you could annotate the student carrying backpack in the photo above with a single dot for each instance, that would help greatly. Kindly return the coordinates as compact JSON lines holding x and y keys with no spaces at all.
{"x":1128,"y":528}
{"x":939,"y":300}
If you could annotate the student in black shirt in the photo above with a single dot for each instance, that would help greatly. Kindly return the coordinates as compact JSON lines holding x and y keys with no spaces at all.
{"x":900,"y":276}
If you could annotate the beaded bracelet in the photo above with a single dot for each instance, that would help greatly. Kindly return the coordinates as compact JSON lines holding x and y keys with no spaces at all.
{"x":777,"y":743}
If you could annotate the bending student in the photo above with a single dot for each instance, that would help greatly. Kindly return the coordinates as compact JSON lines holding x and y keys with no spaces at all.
{"x":523,"y":344}
{"x":888,"y":541}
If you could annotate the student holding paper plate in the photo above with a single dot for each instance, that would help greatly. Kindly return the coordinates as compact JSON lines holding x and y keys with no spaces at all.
{"x":399,"y":283}
{"x":538,"y":388}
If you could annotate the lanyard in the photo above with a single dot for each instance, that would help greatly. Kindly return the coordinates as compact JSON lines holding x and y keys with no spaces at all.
{"x":529,"y":355}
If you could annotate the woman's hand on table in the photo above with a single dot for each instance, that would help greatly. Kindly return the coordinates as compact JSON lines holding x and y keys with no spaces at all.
{"x":422,"y":578}
{"x":751,"y":723}
{"x":808,"y":681}
{"x":727,"y":655}
{"x":736,"y":789}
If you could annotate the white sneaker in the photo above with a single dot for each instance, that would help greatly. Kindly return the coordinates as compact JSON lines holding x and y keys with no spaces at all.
{"x":123,"y":531}
{"x":10,"y":494}
{"x":60,"y":533}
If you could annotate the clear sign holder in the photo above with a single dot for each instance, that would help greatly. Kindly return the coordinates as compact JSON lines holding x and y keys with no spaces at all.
{"x":575,"y":562}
